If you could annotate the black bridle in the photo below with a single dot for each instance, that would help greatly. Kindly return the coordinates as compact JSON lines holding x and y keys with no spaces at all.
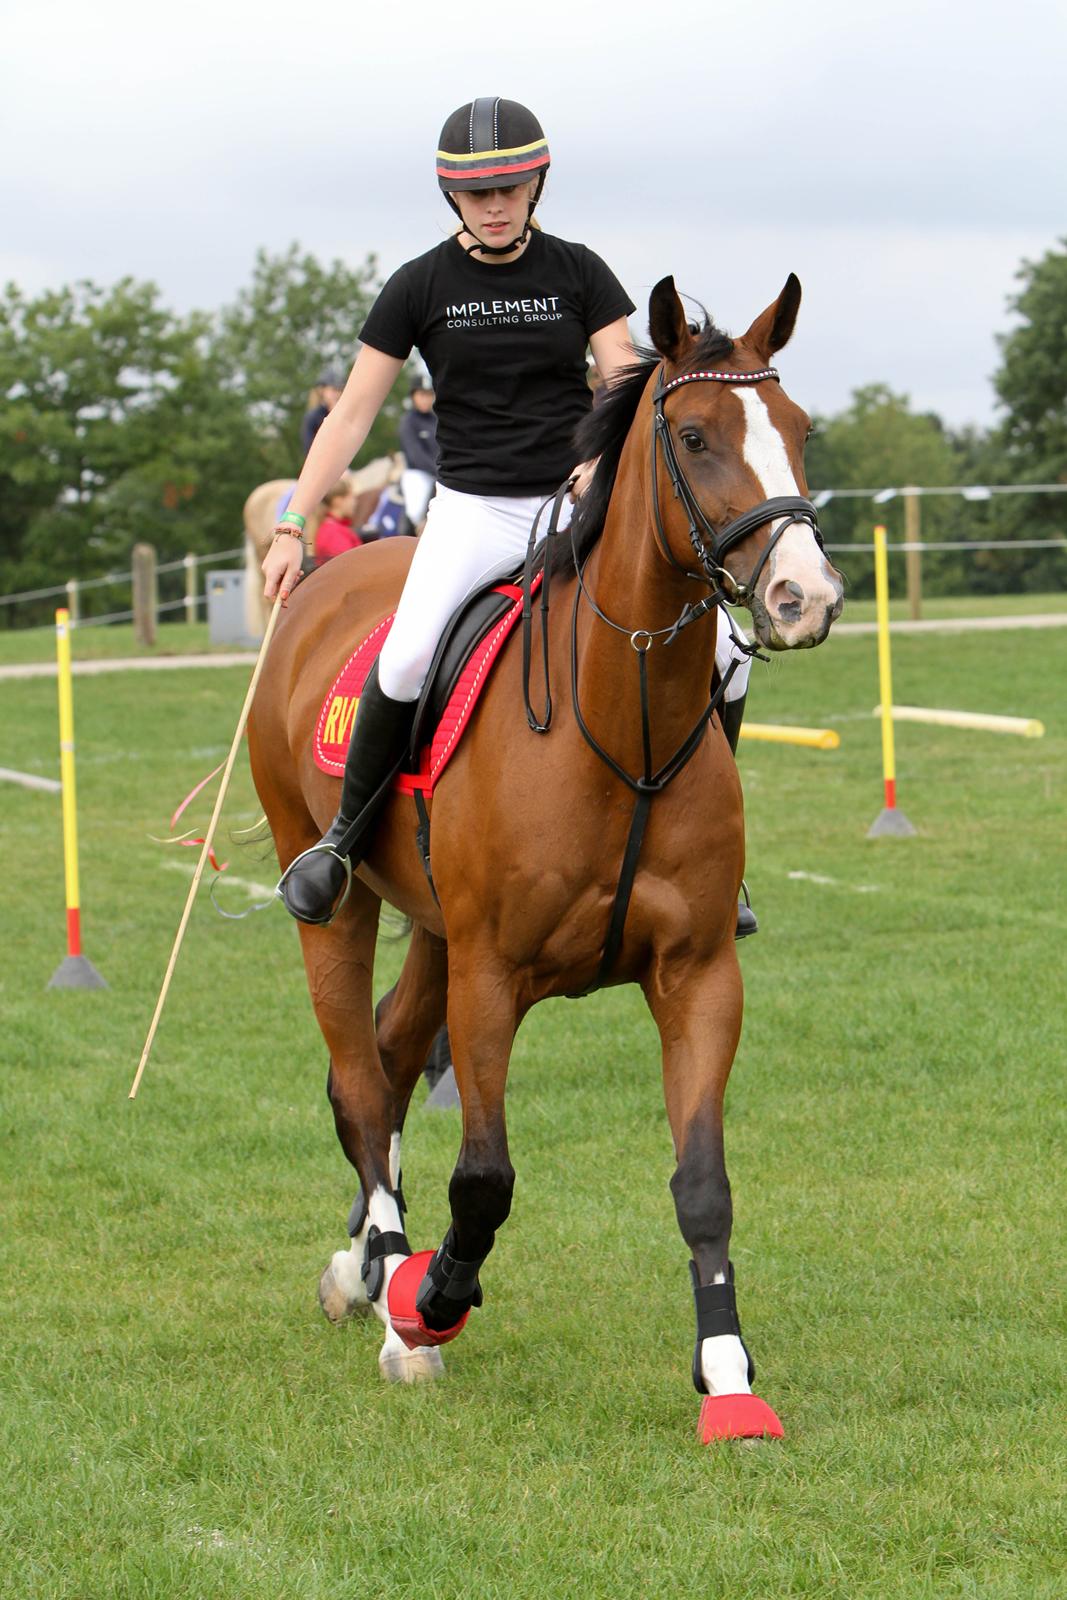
{"x":711,"y":546}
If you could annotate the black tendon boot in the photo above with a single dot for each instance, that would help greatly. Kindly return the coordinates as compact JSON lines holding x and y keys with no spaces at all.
{"x":733,"y":714}
{"x":312,"y":883}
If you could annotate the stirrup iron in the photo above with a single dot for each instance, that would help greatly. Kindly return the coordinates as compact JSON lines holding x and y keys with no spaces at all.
{"x":328,"y":849}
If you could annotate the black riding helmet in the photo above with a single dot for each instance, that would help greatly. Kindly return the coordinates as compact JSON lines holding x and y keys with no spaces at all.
{"x":491,"y":144}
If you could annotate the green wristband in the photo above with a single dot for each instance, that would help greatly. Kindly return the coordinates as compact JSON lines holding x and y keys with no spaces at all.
{"x":294,"y":517}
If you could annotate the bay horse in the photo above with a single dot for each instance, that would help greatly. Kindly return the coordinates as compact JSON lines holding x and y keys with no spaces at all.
{"x":699,"y":492}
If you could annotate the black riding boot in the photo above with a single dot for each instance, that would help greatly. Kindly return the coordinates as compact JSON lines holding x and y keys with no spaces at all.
{"x":733,"y":714}
{"x":380,"y":735}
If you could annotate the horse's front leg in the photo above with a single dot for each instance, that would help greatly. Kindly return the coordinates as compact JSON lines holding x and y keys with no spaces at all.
{"x":698,"y":1014}
{"x":339,"y":961}
{"x":406,"y":1021}
{"x":429,"y":1304}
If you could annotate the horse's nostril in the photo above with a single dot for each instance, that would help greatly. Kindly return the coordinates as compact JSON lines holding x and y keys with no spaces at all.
{"x":794,"y":589}
{"x":789,"y":611}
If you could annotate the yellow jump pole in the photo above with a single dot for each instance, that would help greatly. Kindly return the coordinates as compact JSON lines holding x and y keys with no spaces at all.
{"x":75,"y":971}
{"x":976,"y":721}
{"x":890,"y":820}
{"x":783,"y":733}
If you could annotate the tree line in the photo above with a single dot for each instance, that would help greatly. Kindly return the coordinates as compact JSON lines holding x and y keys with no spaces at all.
{"x":125,"y":422}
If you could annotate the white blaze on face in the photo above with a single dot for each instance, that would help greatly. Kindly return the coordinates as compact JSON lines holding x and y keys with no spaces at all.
{"x":796,"y":556}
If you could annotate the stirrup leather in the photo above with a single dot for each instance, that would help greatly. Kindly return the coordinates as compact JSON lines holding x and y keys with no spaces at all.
{"x":327,"y":849}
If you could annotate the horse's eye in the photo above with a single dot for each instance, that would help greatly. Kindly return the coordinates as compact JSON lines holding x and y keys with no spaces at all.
{"x":693,"y":443}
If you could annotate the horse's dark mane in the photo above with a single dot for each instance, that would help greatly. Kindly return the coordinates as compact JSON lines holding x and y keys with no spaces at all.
{"x":602,"y":433}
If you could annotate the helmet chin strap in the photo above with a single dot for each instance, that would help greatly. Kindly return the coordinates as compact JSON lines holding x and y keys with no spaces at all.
{"x":499,"y":249}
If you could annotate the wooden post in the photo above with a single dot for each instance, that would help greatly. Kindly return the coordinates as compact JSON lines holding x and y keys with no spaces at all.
{"x":145,"y":595}
{"x":190,"y":587}
{"x":72,"y":602}
{"x":913,"y":559}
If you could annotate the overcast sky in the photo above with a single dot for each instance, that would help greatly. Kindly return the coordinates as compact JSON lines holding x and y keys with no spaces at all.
{"x":900,"y":156}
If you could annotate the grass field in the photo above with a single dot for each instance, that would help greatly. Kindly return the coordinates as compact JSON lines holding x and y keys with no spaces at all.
{"x":176,"y":1417}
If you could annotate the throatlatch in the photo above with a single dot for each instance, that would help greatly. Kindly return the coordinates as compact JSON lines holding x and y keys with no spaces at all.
{"x":716,"y":1307}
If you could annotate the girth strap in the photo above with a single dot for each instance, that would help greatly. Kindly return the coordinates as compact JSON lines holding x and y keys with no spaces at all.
{"x":422,"y":840}
{"x":540,"y":726}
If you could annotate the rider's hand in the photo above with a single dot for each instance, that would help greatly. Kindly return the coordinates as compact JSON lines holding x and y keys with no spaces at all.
{"x":281,"y":564}
{"x":583,"y":477}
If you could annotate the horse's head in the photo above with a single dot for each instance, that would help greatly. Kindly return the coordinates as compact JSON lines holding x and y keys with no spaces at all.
{"x":729,"y":445}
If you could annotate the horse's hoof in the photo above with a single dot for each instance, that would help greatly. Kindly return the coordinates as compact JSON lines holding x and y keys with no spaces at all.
{"x":737,"y":1416}
{"x":400,"y":1365}
{"x":403,"y":1288}
{"x":341,"y":1290}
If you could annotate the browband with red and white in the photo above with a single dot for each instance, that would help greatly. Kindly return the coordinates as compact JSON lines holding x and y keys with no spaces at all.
{"x":723,"y":377}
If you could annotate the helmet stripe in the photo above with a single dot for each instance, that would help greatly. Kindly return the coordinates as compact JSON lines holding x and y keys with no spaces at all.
{"x":484,"y":175}
{"x":475,"y":157}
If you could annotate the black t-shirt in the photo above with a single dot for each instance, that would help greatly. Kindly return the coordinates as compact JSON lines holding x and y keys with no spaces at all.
{"x":505,"y":346}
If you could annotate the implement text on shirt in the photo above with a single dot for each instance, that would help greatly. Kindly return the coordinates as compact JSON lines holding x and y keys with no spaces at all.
{"x":490,"y":313}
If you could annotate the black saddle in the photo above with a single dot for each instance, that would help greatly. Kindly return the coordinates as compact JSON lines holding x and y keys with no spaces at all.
{"x":478,"y":614}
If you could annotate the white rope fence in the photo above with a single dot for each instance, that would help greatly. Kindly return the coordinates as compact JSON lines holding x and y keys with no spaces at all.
{"x":960,"y":544}
{"x":75,"y":587}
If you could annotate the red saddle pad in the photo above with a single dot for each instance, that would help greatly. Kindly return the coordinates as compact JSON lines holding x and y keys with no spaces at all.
{"x":334,"y":727}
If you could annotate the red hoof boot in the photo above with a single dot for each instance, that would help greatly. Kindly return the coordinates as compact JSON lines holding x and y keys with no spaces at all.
{"x":736,"y":1416}
{"x":403,"y":1287}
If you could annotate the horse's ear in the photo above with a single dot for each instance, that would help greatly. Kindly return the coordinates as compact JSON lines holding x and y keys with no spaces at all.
{"x":773,"y":328}
{"x":667,"y":323}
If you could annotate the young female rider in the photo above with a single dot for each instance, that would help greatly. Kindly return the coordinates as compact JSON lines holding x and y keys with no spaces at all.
{"x":502,"y":315}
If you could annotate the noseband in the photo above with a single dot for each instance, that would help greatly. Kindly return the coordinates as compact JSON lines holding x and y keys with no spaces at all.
{"x":712,"y":546}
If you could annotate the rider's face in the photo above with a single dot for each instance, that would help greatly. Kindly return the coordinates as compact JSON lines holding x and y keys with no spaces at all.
{"x":496,"y":216}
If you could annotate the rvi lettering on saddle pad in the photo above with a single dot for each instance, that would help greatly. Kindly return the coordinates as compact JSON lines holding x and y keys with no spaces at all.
{"x":443,"y":728}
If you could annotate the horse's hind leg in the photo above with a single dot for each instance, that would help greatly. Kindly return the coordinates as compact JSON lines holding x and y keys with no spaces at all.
{"x":405,"y":1019}
{"x":411,"y":1015}
{"x":340,"y":962}
{"x":698,"y":1014}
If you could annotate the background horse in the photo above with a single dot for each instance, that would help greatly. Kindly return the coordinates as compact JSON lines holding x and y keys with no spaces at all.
{"x":260,"y":513}
{"x":699,"y":492}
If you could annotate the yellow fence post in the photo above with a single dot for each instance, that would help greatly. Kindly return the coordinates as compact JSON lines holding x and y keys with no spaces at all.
{"x":889,"y":820}
{"x":75,"y":971}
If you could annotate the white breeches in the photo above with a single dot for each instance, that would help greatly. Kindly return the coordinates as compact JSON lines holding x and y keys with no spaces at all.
{"x":468,"y":541}
{"x":727,"y":651}
{"x":416,"y":486}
